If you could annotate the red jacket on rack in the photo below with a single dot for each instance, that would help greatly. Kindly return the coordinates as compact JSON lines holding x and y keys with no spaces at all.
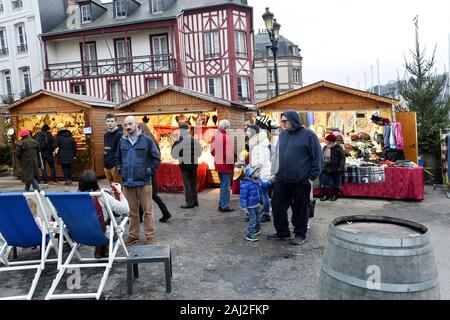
{"x":222,"y":149}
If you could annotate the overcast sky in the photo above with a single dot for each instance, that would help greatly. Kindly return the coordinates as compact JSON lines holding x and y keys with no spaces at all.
{"x":341,"y":39}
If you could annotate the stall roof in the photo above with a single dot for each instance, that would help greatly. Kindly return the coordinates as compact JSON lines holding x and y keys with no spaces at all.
{"x":188,"y":92}
{"x":82,"y":100}
{"x":321,"y":95}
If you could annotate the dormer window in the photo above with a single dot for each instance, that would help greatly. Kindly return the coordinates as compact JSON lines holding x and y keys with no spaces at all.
{"x":121,"y":8}
{"x":157,"y":6}
{"x":86,"y":14}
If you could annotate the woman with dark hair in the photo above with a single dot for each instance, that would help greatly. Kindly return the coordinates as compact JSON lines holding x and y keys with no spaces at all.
{"x":155,"y":197}
{"x":66,"y":150}
{"x":88,"y":183}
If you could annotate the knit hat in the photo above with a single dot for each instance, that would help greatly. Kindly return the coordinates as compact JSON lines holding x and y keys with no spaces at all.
{"x":24,"y":133}
{"x":331,"y":138}
{"x":249,"y":170}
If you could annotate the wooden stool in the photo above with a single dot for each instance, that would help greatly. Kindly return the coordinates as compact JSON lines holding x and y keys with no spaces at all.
{"x":146,"y":254}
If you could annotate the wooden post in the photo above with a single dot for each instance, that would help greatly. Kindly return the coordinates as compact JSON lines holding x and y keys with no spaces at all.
{"x":409,"y":128}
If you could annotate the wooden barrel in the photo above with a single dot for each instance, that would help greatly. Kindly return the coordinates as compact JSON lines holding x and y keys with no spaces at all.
{"x":376,"y":257}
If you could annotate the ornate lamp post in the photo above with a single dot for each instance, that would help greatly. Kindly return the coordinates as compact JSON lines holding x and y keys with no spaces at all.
{"x":273,"y":29}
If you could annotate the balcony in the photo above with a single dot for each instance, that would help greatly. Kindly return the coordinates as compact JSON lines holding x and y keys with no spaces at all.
{"x":23,"y":48}
{"x":16,"y":4}
{"x":105,"y":67}
{"x":4,"y":52}
{"x":1,"y":7}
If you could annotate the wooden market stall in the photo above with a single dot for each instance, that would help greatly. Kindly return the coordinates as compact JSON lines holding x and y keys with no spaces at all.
{"x":83,"y":115}
{"x":165,"y":109}
{"x":330,"y":108}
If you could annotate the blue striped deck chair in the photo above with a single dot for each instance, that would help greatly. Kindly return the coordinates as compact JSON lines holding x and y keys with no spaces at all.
{"x":18,"y":228}
{"x":78,"y":216}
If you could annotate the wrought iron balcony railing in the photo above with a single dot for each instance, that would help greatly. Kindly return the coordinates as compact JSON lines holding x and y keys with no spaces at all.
{"x":94,"y":68}
{"x":4,"y":52}
{"x":23,"y":48}
{"x":16,"y":4}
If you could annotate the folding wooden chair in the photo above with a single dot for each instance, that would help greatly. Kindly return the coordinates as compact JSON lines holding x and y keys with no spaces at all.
{"x":77,"y":214}
{"x":19,"y":228}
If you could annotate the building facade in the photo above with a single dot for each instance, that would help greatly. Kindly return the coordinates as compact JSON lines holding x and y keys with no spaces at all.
{"x":21,"y":69}
{"x":123,"y":49}
{"x":290,"y":70}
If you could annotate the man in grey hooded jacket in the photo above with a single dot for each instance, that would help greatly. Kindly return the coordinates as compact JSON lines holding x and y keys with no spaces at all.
{"x":297,"y":161}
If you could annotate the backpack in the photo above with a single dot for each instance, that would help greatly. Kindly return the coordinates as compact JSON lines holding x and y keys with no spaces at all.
{"x":43,"y":140}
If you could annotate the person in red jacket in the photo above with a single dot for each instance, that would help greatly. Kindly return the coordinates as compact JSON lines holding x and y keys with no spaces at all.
{"x":223,"y":151}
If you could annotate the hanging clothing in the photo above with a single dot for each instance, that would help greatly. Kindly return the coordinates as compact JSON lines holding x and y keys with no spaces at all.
{"x":392,"y":141}
{"x":387,"y":134}
{"x":398,"y":133}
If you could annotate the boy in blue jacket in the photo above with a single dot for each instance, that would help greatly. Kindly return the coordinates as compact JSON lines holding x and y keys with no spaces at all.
{"x":251,"y":198}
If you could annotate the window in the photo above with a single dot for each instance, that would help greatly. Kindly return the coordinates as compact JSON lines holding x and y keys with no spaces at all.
{"x":296,"y":75}
{"x":121,"y":47}
{"x":16,"y":4}
{"x":271,"y":76}
{"x":160,"y":52}
{"x":211,"y":45}
{"x":89,"y":57}
{"x":22,"y":39}
{"x":153,"y":84}
{"x":26,"y":79}
{"x":243,"y":89}
{"x":121,"y":8}
{"x":79,"y":88}
{"x":215,"y":87}
{"x":240,"y":41}
{"x":157,"y":6}
{"x":8,"y":83}
{"x":86,"y":15}
{"x":115,"y":91}
{"x":3,"y":43}
{"x":1,"y":6}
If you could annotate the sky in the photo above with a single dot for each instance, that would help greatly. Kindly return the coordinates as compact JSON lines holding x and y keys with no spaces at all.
{"x":342,"y":40}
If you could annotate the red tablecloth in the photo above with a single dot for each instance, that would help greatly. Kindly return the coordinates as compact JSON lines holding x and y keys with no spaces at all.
{"x":400,"y":183}
{"x":169,"y":179}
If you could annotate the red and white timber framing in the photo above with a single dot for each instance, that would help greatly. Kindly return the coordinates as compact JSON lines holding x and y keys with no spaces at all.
{"x":191,"y":69}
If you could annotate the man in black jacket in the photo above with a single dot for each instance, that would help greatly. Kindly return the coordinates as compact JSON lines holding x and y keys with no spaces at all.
{"x":47,"y":146}
{"x":111,"y":141}
{"x":187,"y":150}
{"x":297,"y":161}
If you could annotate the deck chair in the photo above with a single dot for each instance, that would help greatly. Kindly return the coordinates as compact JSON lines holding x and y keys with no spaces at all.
{"x":18,"y":228}
{"x":78,"y":216}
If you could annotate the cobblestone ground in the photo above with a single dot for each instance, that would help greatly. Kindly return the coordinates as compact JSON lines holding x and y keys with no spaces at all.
{"x":212,"y":259}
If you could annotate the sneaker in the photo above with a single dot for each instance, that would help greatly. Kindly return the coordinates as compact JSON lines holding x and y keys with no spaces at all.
{"x":252,"y":238}
{"x":276,"y":237}
{"x":131,"y":241}
{"x":257,"y":233}
{"x":265,"y":218}
{"x":298,"y":240}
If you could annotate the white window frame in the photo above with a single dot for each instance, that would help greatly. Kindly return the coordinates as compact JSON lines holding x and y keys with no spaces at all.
{"x":79,"y":88}
{"x":212,"y":47}
{"x":116,"y":91}
{"x":271,"y":73}
{"x":121,"y":5}
{"x":215,"y":87}
{"x":2,"y":6}
{"x":157,"y":6}
{"x":151,"y":84}
{"x":240,"y":41}
{"x":296,"y":74}
{"x":26,"y":79}
{"x":3,"y":43}
{"x":8,"y":82}
{"x":86,"y":16}
{"x":161,"y":58}
{"x":121,"y":53}
{"x":16,"y":4}
{"x":244,"y":88}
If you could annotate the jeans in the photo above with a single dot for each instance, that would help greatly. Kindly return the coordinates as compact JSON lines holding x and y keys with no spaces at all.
{"x":331,"y":180}
{"x":35,"y":185}
{"x":67,"y":171}
{"x":51,"y":164}
{"x":225,"y":186}
{"x":253,"y":223}
{"x":266,"y":201}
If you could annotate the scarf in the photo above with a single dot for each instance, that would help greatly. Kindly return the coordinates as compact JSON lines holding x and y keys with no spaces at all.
{"x":327,"y":152}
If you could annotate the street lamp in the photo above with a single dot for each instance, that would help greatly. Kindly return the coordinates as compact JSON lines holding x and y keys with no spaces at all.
{"x":273,"y":29}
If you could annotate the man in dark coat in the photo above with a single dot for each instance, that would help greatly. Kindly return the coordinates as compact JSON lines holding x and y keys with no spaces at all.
{"x":27,"y":152}
{"x":66,"y":149}
{"x":297,"y":161}
{"x":111,"y":141}
{"x":187,"y":150}
{"x":47,"y":146}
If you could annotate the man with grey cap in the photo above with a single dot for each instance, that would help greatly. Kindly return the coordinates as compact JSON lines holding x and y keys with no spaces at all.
{"x":297,"y":161}
{"x":137,"y":159}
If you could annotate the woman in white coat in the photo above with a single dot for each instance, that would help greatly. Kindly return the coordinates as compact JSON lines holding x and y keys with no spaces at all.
{"x":259,"y":148}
